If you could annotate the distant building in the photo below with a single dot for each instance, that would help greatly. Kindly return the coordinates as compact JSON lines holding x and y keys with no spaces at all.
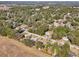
{"x":4,"y":7}
{"x":37,"y":9}
{"x":45,"y":7}
{"x":58,"y":23}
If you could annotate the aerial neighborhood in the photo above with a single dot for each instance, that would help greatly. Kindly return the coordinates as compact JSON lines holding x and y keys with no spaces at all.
{"x":50,"y":29}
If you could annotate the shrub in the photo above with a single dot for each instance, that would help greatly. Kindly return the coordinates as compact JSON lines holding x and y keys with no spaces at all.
{"x":40,"y":30}
{"x":39,"y":44}
{"x":6,"y":31}
{"x":76,"y":19}
{"x":29,"y":42}
{"x":59,"y":32}
{"x":61,"y":51}
{"x":57,"y":17}
{"x":74,"y":37}
{"x":55,"y":48}
{"x":65,"y":49}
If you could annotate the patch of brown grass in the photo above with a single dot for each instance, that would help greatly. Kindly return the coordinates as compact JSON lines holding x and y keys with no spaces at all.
{"x":11,"y":47}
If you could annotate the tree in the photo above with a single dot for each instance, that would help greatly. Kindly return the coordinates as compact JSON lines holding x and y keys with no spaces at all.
{"x":48,"y":45}
{"x":73,"y":36}
{"x":39,"y":44}
{"x":5,"y":30}
{"x":29,"y":42}
{"x":59,"y":32}
{"x":65,"y":49}
{"x":61,"y":51}
{"x":55,"y":48}
{"x":40,"y":30}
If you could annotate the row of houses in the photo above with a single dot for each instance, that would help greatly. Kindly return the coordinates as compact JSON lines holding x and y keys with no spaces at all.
{"x":35,"y":37}
{"x":44,"y":39}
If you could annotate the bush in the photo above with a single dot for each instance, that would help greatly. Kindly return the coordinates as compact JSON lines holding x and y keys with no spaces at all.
{"x":39,"y":44}
{"x":57,"y":17}
{"x":59,"y":32}
{"x":6,"y":31}
{"x":61,"y":51}
{"x":55,"y":48}
{"x":29,"y":42}
{"x":76,"y":19}
{"x":74,"y":37}
{"x":40,"y":30}
{"x":64,"y":50}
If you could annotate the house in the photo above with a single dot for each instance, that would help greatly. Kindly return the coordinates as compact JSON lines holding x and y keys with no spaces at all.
{"x":45,"y":7}
{"x":37,"y":9}
{"x":27,"y":35}
{"x":67,"y":15}
{"x":48,"y":34}
{"x":65,"y":38}
{"x":58,"y":23}
{"x":62,"y":41}
{"x":68,"y":24}
{"x":23,"y":27}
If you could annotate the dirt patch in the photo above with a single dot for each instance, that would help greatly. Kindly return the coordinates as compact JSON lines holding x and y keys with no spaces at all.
{"x":13,"y":48}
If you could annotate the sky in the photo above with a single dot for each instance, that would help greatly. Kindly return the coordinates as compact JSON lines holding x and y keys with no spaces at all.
{"x":39,"y":0}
